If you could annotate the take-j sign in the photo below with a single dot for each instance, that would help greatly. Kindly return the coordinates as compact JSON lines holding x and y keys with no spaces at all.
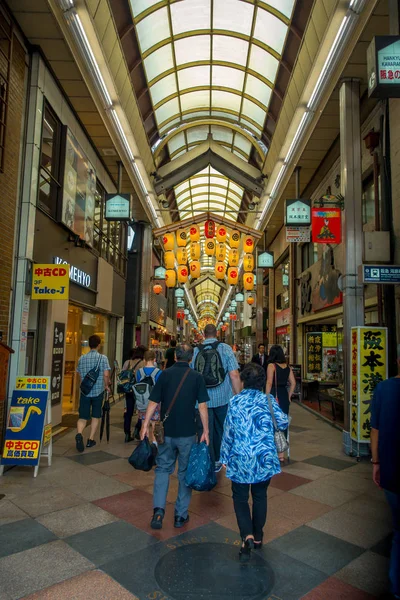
{"x":50,"y":282}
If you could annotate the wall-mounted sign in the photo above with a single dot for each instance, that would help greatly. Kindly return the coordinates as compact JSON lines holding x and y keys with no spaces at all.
{"x":50,"y":282}
{"x":159,"y":273}
{"x":118,"y":207}
{"x":76,"y":275}
{"x":383,"y":66}
{"x":239,"y":297}
{"x":265,"y":260}
{"x":179,"y":293}
{"x":326,"y":225}
{"x":57,"y":358}
{"x":300,"y":235}
{"x":381,"y":274}
{"x":298,"y":212}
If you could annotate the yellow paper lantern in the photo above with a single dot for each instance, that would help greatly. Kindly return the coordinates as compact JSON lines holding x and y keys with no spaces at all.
{"x":183,"y":273}
{"x":194,"y":232}
{"x":209,"y":247}
{"x":220,"y":270}
{"x":195,"y":269}
{"x":170,"y":278}
{"x":233,"y":257}
{"x":181,"y":238}
{"x":220,"y":252}
{"x":248,"y":281}
{"x":248,"y":244}
{"x":234,"y":239}
{"x":221,"y":233}
{"x":248,"y":263}
{"x":195,"y":250}
{"x":169,"y":259}
{"x":168,"y":239}
{"x":182,"y":256}
{"x":233,"y":275}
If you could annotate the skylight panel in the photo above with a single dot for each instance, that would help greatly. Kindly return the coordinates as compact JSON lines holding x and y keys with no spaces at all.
{"x":242,"y":143}
{"x":226,"y":100}
{"x":194,"y":77}
{"x":167,"y":110}
{"x":230,"y":49}
{"x":153,"y":29}
{"x":167,"y":128}
{"x":233,"y":15}
{"x":254,"y":112}
{"x":176,"y":142}
{"x":270,"y":30}
{"x":250,"y":126}
{"x":158,"y":62}
{"x":192,"y":49}
{"x":222,"y":134}
{"x":138,"y":6}
{"x":163,"y":88}
{"x":227,"y":77}
{"x":257,"y":89}
{"x":263,"y":62}
{"x":236,"y":188}
{"x":192,"y":100}
{"x":284,"y":6}
{"x":190,"y":15}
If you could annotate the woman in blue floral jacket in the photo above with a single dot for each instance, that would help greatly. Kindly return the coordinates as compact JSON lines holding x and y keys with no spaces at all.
{"x":249,"y":454}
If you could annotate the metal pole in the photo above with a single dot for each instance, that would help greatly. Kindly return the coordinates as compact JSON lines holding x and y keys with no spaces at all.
{"x":119,"y":182}
{"x":146,"y":281}
{"x":293,"y":285}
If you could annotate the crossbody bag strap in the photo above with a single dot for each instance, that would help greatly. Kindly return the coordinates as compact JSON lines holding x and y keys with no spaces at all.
{"x":98,"y":363}
{"x":171,"y":406}
{"x":271,"y":410}
{"x":276,"y":384}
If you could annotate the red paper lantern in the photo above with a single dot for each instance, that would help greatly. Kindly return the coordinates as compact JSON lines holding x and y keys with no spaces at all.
{"x":233,"y":317}
{"x":180,"y":314}
{"x":157,"y":288}
{"x":209,"y":229}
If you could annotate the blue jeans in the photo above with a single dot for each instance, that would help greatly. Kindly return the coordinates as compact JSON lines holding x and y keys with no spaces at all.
{"x":394,"y":572}
{"x":172,"y":450}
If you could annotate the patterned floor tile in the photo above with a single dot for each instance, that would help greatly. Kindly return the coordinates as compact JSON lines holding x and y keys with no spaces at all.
{"x":370,"y":508}
{"x":22,"y":535}
{"x":296,"y":508}
{"x":112,"y":467}
{"x":384,"y":547}
{"x":287,"y":482}
{"x":275,"y":527}
{"x":369,"y":572}
{"x":64,"y":523}
{"x":126,"y":504}
{"x":101,"y":487}
{"x":335,"y":589}
{"x":211,"y":505}
{"x":321,"y":491}
{"x":327,"y":462}
{"x":10,"y":513}
{"x":297,"y":429}
{"x":307,"y":471}
{"x":92,"y":458}
{"x":41,"y":502}
{"x":137,"y":479}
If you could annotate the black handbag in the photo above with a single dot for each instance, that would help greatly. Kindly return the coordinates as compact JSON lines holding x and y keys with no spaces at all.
{"x":144,"y":456}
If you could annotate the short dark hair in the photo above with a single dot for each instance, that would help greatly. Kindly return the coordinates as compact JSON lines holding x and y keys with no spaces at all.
{"x":276,"y":354}
{"x":210,"y":331}
{"x":173,"y":344}
{"x":138,"y":352}
{"x":184,"y":352}
{"x":94,"y":341}
{"x":253,"y":377}
{"x":261,"y":344}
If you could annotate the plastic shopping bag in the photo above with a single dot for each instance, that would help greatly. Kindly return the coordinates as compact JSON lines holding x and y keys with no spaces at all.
{"x":200,"y":474}
{"x":144,"y":456}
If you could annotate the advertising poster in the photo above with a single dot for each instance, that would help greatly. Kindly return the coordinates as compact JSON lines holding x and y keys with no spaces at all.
{"x":79,"y":191}
{"x":326,"y":225}
{"x":369,"y":366}
{"x":57,"y":359}
{"x":50,"y":282}
{"x":314,"y":352}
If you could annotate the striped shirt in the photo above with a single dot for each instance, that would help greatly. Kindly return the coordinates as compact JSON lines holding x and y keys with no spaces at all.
{"x":89,"y":361}
{"x":220,"y":395}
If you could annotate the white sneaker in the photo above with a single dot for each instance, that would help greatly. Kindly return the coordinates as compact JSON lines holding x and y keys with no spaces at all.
{"x":218,"y":467}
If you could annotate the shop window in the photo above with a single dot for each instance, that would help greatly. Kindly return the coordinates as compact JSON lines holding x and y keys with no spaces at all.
{"x":109,"y":236}
{"x":49,"y":179}
{"x":368,"y":201}
{"x":5,"y":69}
{"x":309,"y":255}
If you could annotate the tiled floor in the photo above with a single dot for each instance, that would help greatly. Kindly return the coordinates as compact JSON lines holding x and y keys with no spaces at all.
{"x":80,"y":531}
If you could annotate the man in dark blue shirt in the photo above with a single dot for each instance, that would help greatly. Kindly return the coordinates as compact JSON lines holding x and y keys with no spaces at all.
{"x":385,"y":448}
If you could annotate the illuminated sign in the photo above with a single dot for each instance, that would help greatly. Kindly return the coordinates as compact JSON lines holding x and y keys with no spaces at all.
{"x":265,"y":260}
{"x":383,"y":67}
{"x":118,"y":207}
{"x":76,"y":275}
{"x":298,"y":212}
{"x":50,"y":282}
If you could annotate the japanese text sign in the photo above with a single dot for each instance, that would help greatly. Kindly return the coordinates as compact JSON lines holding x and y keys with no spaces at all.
{"x":326,"y":225}
{"x":383,"y":65}
{"x":298,"y":212}
{"x":314,"y":352}
{"x":368,"y":368}
{"x":50,"y":282}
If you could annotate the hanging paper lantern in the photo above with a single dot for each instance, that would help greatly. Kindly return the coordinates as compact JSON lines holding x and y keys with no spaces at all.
{"x":220,"y":270}
{"x":157,"y":288}
{"x":209,"y":247}
{"x":233,"y":257}
{"x":248,"y":244}
{"x":180,"y":314}
{"x":195,"y":269}
{"x":168,"y":240}
{"x":170,"y":278}
{"x":250,"y":300}
{"x":194,"y":233}
{"x":248,"y":281}
{"x":248,"y":263}
{"x":233,"y":276}
{"x":182,"y":256}
{"x":221,"y":233}
{"x":209,"y":229}
{"x":220,"y":252}
{"x":195,"y":250}
{"x":183,"y":273}
{"x":181,"y":237}
{"x":169,"y":259}
{"x":233,"y":317}
{"x":234,"y":239}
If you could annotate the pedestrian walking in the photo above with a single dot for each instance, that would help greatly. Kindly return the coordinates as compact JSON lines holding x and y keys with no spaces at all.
{"x":261,"y":358}
{"x":177,"y":390}
{"x":146,"y":378}
{"x":249,"y":454}
{"x":218,"y":365}
{"x":134,"y":363}
{"x":385,"y":449}
{"x":170,"y":355}
{"x":94,"y":370}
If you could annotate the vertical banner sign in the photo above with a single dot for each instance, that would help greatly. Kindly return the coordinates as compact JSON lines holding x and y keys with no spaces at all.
{"x":25,"y":423}
{"x":369,"y":366}
{"x":326,"y":225}
{"x":314,"y":352}
{"x":57,"y":358}
{"x":50,"y":282}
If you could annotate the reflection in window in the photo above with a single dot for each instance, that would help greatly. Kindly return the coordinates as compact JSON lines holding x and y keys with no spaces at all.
{"x":49,"y":179}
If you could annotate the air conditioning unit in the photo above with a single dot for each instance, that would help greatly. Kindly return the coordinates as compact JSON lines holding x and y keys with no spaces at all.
{"x":376,"y":246}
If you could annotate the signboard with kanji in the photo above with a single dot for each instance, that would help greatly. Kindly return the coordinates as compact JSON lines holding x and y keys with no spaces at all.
{"x":265,"y":260}
{"x":326,"y":225}
{"x":387,"y":274}
{"x":298,"y":235}
{"x":298,"y":212}
{"x":369,"y":366}
{"x":314,"y":352}
{"x":50,"y":282}
{"x":383,"y":66}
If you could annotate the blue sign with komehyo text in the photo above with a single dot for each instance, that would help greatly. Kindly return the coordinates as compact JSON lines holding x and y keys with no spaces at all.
{"x":385,"y":274}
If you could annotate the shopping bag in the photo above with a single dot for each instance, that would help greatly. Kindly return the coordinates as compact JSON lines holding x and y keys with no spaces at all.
{"x":200,"y":474}
{"x":144,"y":456}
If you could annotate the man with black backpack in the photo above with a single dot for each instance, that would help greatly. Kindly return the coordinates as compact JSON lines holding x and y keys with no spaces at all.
{"x":217,"y":363}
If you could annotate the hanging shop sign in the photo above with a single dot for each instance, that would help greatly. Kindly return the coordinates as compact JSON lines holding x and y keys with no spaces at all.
{"x":314,"y":352}
{"x":383,"y":67}
{"x":209,"y":229}
{"x":299,"y":235}
{"x":159,"y":273}
{"x":50,"y":282}
{"x":284,"y":330}
{"x":265,"y":260}
{"x":239,"y":297}
{"x":179,"y":293}
{"x":381,"y":274}
{"x":369,"y":366}
{"x":326,"y":225}
{"x":118,"y":207}
{"x":76,"y":275}
{"x":57,"y":358}
{"x":298,"y":212}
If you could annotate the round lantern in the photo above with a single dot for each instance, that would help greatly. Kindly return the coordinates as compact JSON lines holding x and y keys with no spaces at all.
{"x":157,"y":288}
{"x":220,"y":270}
{"x":195,"y":250}
{"x":194,"y":232}
{"x":248,"y":263}
{"x":209,"y":247}
{"x":233,"y":257}
{"x":233,"y":317}
{"x":250,"y":300}
{"x":170,"y":278}
{"x":220,"y":252}
{"x":234,"y":239}
{"x":183,"y":273}
{"x":195,"y":269}
{"x":168,"y":239}
{"x":221,"y":233}
{"x":248,"y":244}
{"x":248,"y":281}
{"x":169,"y":259}
{"x":181,"y":237}
{"x":180,"y":314}
{"x":209,"y":229}
{"x":182,"y":256}
{"x":233,"y":276}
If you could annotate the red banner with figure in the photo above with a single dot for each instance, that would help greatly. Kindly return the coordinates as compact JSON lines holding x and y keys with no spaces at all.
{"x":326,"y":225}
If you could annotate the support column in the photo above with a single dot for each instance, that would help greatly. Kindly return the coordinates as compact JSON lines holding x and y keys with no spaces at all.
{"x":147,"y":249}
{"x":293,"y":286}
{"x":259,"y":304}
{"x":353,"y":291}
{"x":271,"y":308}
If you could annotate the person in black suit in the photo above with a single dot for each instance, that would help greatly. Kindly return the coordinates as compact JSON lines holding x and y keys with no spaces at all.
{"x":261,"y":358}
